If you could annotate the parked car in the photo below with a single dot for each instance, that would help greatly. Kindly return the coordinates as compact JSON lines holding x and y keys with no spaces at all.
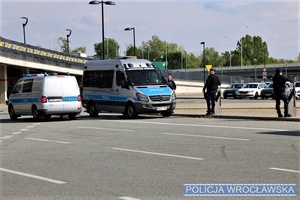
{"x":297,"y":89}
{"x":251,"y":90}
{"x":267,"y":92}
{"x":231,"y":89}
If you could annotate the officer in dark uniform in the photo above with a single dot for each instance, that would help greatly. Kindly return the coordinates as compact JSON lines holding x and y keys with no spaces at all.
{"x":171,"y":82}
{"x":210,"y":90}
{"x":279,"y":85}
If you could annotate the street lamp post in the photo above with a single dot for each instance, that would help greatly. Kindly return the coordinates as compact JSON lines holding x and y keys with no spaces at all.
{"x":264,"y":69}
{"x":242,"y":49}
{"x":107,"y":53}
{"x":255,"y":76}
{"x":106,"y":3}
{"x":68,"y":35}
{"x":148,"y":52}
{"x":129,"y":29}
{"x":167,"y":53}
{"x":25,"y":23}
{"x":166,"y":56}
{"x":203,"y":43}
{"x":229,"y":50}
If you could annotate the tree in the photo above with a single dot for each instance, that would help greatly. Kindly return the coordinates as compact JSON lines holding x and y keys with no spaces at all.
{"x":64,"y":46}
{"x":79,"y":50}
{"x":111,"y":48}
{"x":212,"y":58}
{"x":253,"y":48}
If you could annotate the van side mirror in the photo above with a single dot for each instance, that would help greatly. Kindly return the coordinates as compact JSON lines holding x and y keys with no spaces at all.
{"x":16,"y":92}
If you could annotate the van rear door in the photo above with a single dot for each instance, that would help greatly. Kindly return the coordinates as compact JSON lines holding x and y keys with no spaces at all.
{"x":53,"y":92}
{"x":70,"y":93}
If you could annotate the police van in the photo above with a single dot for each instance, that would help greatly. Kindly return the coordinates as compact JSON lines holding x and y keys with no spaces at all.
{"x":127,"y":86}
{"x":43,"y":95}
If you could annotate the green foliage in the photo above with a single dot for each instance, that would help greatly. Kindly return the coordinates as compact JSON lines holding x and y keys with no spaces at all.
{"x":254,"y":52}
{"x":64,"y":46}
{"x":79,"y":50}
{"x":111,"y":49}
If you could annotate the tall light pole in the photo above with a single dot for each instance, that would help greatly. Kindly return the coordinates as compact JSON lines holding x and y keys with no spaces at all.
{"x":129,"y":29}
{"x":102,"y":7}
{"x":229,"y":50}
{"x":242,"y":49}
{"x":148,"y":52}
{"x":106,"y":46}
{"x":25,"y":23}
{"x":167,"y":52}
{"x":68,"y":35}
{"x":255,"y":76}
{"x":203,"y":43}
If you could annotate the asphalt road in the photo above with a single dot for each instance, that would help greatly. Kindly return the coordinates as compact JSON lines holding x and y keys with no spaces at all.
{"x":112,"y":158}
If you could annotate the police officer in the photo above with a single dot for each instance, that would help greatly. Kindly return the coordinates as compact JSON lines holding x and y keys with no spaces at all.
{"x":279,"y":85}
{"x":210,"y":90}
{"x":171,"y":82}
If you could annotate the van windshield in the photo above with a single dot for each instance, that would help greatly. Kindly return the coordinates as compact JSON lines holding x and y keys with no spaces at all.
{"x":145,"y":77}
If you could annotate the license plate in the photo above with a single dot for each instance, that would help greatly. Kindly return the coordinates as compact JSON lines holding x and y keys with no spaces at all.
{"x":54,"y":100}
{"x":161,"y":108}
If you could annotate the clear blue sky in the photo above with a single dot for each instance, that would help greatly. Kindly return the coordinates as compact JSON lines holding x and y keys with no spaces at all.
{"x":185,"y":22}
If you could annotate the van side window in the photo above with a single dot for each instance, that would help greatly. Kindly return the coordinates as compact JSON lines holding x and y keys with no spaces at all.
{"x":120,"y":78}
{"x":27,"y":85}
{"x":106,"y":78}
{"x":90,"y":79}
{"x":101,"y":79}
{"x":18,"y":87}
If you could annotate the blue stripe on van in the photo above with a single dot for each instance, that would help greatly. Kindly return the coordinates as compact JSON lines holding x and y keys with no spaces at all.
{"x":69,"y":98}
{"x":26,"y":100}
{"x":151,"y":91}
{"x":100,"y":97}
{"x":38,"y":100}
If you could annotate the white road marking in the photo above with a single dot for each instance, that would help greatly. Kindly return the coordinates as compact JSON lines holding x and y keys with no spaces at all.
{"x":6,"y":137}
{"x":286,"y":170}
{"x":128,"y":198}
{"x":108,"y":129}
{"x":206,"y":136}
{"x":205,"y":125}
{"x":43,"y":140}
{"x":23,"y":129}
{"x":154,"y":153}
{"x":29,"y":127}
{"x":32,"y":176}
{"x":16,"y":133}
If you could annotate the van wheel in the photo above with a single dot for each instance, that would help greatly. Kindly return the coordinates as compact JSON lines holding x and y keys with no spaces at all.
{"x":130,"y":111}
{"x":166,"y":114}
{"x":92,"y":110}
{"x":72,"y":116}
{"x":35,"y":113}
{"x":12,"y":113}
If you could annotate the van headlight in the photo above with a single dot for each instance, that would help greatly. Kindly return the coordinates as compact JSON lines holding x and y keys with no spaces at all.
{"x":173,"y":97}
{"x":142,"y":97}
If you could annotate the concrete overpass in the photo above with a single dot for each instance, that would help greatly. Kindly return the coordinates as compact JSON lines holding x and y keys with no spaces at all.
{"x":17,"y":58}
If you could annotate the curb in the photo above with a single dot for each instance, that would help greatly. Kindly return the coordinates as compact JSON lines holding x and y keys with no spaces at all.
{"x":291,"y":119}
{"x":239,"y":117}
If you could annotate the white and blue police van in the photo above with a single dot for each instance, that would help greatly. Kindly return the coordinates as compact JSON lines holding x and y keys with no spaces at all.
{"x":44,"y":95}
{"x":127,"y":86}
